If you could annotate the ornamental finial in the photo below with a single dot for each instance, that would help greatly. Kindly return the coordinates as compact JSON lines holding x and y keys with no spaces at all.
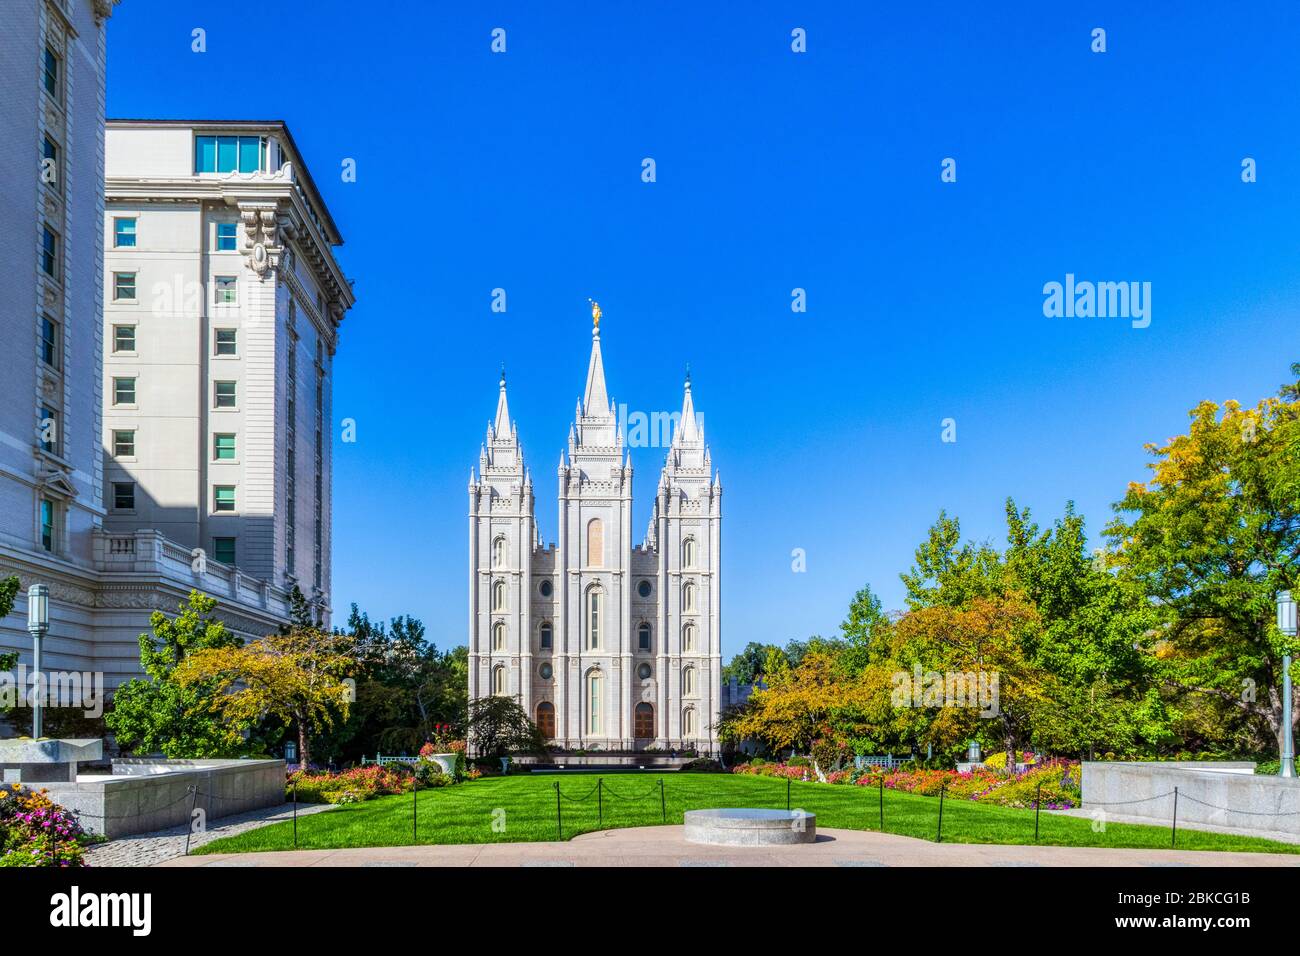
{"x":595,"y":316}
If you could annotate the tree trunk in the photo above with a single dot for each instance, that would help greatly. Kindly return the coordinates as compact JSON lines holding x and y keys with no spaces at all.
{"x":304,"y":754}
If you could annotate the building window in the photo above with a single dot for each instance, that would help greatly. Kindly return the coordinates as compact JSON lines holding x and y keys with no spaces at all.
{"x":223,"y":394}
{"x":644,"y":671}
{"x":595,"y":543}
{"x":545,"y":588}
{"x":228,"y":154}
{"x":49,"y":253}
{"x":498,"y":595}
{"x":47,"y":524}
{"x":223,"y":550}
{"x":546,"y":719}
{"x":223,"y":498}
{"x":124,"y":443}
{"x":644,"y":589}
{"x":593,"y":703}
{"x":688,"y":682}
{"x":546,"y":671}
{"x":595,"y":600}
{"x":227,"y":291}
{"x":223,"y":447}
{"x":643,"y":637}
{"x":499,"y":553}
{"x":688,"y":553}
{"x":50,"y":172}
{"x":688,"y":639}
{"x":50,"y":73}
{"x":123,"y":286}
{"x":226,"y":342}
{"x":227,"y":236}
{"x":124,"y":338}
{"x":499,"y":681}
{"x":544,"y":637}
{"x":688,"y":722}
{"x":124,"y":233}
{"x":499,"y":636}
{"x":48,"y":428}
{"x":49,"y":342}
{"x":124,"y":496}
{"x":688,"y":597}
{"x":124,"y":391}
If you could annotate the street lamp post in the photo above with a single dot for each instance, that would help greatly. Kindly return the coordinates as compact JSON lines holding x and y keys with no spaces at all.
{"x":1286,"y":624}
{"x":38,"y":622}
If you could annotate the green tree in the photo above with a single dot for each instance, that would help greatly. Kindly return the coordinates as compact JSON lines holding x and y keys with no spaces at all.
{"x":157,"y":714}
{"x":8,"y":593}
{"x":866,"y":630}
{"x":499,"y":727}
{"x":748,"y":666}
{"x":1212,"y":537}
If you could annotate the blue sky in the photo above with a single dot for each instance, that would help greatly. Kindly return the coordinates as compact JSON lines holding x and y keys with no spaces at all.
{"x":775,"y":170}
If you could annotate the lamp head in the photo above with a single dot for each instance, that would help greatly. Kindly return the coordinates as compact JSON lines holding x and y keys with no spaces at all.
{"x":1286,"y":613}
{"x":38,"y":607}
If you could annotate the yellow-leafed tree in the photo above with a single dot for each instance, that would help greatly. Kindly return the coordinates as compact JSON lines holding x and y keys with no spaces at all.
{"x":298,"y":677}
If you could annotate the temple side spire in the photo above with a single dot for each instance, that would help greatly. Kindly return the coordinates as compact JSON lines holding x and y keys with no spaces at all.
{"x":501,"y":425}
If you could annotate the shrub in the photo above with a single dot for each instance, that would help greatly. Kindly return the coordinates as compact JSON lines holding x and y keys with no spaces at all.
{"x":702,"y":765}
{"x":998,"y":761}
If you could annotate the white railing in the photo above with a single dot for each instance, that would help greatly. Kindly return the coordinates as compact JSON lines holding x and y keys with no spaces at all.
{"x":147,"y":551}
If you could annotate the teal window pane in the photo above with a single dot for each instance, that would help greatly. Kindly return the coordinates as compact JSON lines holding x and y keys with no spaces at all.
{"x":226,"y":149}
{"x":226,"y":236}
{"x":124,"y":234}
{"x":250,"y":160}
{"x":205,"y":154}
{"x":223,"y":498}
{"x":224,"y":446}
{"x":224,"y":550}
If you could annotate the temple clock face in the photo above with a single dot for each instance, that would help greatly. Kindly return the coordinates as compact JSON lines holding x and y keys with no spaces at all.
{"x":644,"y":589}
{"x":545,"y":588}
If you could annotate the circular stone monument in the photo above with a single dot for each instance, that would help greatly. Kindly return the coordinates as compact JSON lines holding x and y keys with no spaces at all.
{"x":749,"y":827}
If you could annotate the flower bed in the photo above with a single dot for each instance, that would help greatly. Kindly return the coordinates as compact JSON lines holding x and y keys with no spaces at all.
{"x":348,"y":786}
{"x":1059,"y":781}
{"x":36,"y":831}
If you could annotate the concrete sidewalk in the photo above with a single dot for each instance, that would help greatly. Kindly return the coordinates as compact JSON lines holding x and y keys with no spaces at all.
{"x":665,"y":846}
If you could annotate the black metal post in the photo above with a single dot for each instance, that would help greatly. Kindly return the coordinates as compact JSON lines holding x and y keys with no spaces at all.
{"x":415,"y":809}
{"x":787,"y":793}
{"x":943,"y":787}
{"x":663,"y":803}
{"x":190,"y":828}
{"x":1173,"y":838}
{"x":1038,"y":806}
{"x":295,"y":816}
{"x":882,"y":803}
{"x":600,"y":800}
{"x":559,"y":826}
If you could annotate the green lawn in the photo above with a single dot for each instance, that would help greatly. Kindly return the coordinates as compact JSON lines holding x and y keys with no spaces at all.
{"x":522,"y":808}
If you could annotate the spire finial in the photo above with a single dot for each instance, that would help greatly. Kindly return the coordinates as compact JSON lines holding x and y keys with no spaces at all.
{"x":688,"y":375}
{"x":503,"y":374}
{"x":595,"y":316}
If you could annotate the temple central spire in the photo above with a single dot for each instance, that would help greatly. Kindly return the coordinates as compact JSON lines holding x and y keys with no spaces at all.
{"x":595,"y":400}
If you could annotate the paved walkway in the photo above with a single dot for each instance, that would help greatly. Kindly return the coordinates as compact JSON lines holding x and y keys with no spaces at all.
{"x":150,"y":849}
{"x":665,"y":846}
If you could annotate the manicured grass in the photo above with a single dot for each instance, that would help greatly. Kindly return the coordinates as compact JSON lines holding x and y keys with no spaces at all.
{"x":522,"y":808}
